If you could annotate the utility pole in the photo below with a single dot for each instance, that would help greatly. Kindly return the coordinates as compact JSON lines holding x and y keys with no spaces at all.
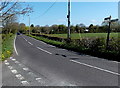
{"x":29,"y":24}
{"x":68,"y":16}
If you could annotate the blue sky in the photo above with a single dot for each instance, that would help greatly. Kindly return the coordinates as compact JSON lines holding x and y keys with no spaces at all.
{"x":81,"y":12}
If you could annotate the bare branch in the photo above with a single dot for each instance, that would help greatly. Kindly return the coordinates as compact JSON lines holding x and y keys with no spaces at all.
{"x":9,"y":8}
{"x":3,"y":5}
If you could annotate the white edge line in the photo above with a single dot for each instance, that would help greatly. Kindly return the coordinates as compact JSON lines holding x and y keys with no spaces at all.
{"x":14,"y":71}
{"x":7,"y":63}
{"x":38,"y":78}
{"x":25,"y":82}
{"x":20,"y":77}
{"x":44,"y":50}
{"x":95,"y":67}
{"x":15,"y":46}
{"x":51,"y":46}
{"x":10,"y":67}
{"x":115,"y":62}
{"x":13,"y":59}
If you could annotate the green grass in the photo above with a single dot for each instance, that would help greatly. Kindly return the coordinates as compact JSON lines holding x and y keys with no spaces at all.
{"x":7,"y":46}
{"x":85,"y":35}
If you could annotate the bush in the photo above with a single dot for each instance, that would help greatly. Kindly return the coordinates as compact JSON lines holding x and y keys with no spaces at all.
{"x":97,"y":45}
{"x":114,"y":45}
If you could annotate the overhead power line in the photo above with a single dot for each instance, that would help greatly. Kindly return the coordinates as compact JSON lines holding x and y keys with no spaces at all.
{"x":49,"y":8}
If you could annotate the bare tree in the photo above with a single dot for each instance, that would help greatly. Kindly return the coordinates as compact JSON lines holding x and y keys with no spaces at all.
{"x":9,"y":8}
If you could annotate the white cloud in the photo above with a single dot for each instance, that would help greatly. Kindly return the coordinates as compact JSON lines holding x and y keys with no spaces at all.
{"x":94,"y":21}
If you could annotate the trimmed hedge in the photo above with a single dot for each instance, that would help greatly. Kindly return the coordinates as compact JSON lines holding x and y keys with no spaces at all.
{"x":95,"y":47}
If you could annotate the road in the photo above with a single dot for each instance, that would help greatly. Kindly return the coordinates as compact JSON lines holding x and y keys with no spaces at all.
{"x":35,"y":63}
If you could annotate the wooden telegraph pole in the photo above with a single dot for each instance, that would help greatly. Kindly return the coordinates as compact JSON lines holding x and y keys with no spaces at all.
{"x":68,"y":16}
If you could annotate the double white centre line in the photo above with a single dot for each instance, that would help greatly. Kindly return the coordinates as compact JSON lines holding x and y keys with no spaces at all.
{"x":44,"y":50}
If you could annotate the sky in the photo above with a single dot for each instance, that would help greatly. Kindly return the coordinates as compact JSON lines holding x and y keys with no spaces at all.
{"x":81,"y":12}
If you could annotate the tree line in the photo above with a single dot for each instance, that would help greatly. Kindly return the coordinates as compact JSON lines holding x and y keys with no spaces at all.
{"x":62,"y":29}
{"x":13,"y":27}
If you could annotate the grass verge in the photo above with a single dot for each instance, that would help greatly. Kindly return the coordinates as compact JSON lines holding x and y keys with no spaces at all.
{"x":7,"y":46}
{"x":52,"y":42}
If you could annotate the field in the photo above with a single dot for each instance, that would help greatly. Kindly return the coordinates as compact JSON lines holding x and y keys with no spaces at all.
{"x":85,"y":35}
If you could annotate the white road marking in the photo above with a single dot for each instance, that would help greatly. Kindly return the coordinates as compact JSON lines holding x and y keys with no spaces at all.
{"x":95,"y":67}
{"x":42,"y":42}
{"x":24,"y":82}
{"x":51,"y":46}
{"x":11,"y":57}
{"x":15,"y":46}
{"x":25,"y":39}
{"x":44,"y":50}
{"x":72,"y":85}
{"x":30,"y":43}
{"x":61,"y":49}
{"x":14,"y":59}
{"x":30,"y":73}
{"x":14,"y":71}
{"x":25,"y":69}
{"x":21,"y":65}
{"x":38,"y":79}
{"x":20,"y":77}
{"x":7,"y":63}
{"x":10,"y":67}
{"x":16,"y":62}
{"x":63,"y":83}
{"x":115,"y":62}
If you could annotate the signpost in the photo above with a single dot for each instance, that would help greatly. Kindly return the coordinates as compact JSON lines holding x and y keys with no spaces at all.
{"x":109,"y":30}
